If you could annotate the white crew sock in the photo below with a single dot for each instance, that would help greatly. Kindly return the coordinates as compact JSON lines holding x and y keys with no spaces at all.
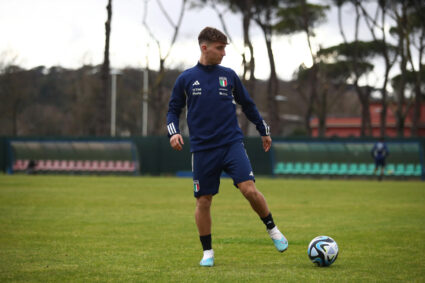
{"x":208,"y":254}
{"x":274,"y":233}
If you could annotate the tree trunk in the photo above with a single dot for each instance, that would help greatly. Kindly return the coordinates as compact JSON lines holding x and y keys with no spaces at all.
{"x":418,"y":94}
{"x":363,"y":96}
{"x":15,"y":119}
{"x":102,"y":123}
{"x":322,"y":111}
{"x":157,"y":101}
{"x":312,"y":98}
{"x":388,"y":66}
{"x":400,"y":117}
{"x":248,"y":62}
{"x":272,"y":85}
{"x":383,"y":114}
{"x":418,"y":102}
{"x":272,"y":90}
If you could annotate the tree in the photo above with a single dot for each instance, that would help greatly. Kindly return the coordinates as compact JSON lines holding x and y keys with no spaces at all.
{"x":418,"y":42}
{"x":409,"y":30}
{"x":356,"y":53}
{"x":388,"y":52}
{"x":158,"y":97}
{"x":102,"y":121}
{"x":246,"y":9}
{"x":14,"y":93}
{"x":265,"y":17}
{"x":356,"y":56}
{"x":85,"y":86}
{"x":300,"y":16}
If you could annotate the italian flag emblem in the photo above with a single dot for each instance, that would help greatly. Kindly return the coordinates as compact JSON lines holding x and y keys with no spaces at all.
{"x":223,"y":81}
{"x":196,"y":186}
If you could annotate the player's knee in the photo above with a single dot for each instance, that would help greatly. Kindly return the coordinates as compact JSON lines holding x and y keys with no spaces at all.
{"x":248,"y":189}
{"x":204,"y":202}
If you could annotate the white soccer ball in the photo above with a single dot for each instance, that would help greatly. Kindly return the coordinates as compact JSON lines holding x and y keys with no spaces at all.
{"x":323,"y":251}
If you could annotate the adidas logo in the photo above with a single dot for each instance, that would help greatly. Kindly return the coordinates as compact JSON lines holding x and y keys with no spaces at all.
{"x":251,"y":174}
{"x":196,"y":83}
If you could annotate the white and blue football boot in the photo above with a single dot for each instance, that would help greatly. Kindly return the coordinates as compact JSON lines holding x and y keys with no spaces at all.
{"x":280,"y":242}
{"x":208,"y":259}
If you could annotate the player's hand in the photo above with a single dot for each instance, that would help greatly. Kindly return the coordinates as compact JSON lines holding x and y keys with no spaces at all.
{"x":176,"y":142}
{"x":267,"y":142}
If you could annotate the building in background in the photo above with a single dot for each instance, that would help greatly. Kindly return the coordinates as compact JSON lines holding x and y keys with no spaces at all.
{"x":350,"y":126}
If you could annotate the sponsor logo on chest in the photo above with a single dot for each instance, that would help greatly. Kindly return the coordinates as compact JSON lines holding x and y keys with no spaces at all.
{"x":196,"y":88}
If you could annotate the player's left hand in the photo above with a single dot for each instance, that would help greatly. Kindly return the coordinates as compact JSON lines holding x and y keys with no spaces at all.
{"x":176,"y":142}
{"x":267,"y":142}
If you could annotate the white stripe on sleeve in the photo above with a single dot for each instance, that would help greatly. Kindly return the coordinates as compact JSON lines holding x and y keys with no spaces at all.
{"x":267,"y":128}
{"x":171,"y":129}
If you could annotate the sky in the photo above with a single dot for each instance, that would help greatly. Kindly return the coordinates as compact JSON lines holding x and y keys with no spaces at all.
{"x":71,"y":33}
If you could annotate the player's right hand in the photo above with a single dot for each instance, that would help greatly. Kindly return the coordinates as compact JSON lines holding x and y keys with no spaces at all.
{"x":176,"y":142}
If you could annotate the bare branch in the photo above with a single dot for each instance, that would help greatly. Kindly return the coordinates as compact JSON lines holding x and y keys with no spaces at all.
{"x":145,"y":24}
{"x":224,"y":25}
{"x":167,"y":16}
{"x":369,"y":19}
{"x":341,"y":29}
{"x":176,"y":28}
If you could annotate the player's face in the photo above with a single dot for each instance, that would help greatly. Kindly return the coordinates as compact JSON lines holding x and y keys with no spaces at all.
{"x":214,"y":52}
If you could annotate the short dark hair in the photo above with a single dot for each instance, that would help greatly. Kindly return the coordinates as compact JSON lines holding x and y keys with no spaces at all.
{"x":210,"y":34}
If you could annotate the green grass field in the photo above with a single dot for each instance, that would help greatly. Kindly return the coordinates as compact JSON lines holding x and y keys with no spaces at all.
{"x":139,"y":229}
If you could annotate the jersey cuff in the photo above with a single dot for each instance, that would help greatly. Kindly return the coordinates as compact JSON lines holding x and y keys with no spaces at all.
{"x":265,"y":129}
{"x":172,"y":129}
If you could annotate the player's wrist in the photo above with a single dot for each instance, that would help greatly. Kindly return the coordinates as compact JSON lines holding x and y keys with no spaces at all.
{"x":170,"y":136}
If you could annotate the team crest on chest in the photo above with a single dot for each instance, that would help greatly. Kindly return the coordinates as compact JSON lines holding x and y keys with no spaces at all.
{"x":223,"y":81}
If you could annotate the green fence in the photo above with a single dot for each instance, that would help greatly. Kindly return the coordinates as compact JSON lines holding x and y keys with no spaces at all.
{"x":154,"y":156}
{"x":344,"y":158}
{"x":73,"y":150}
{"x":71,"y":156}
{"x":158,"y":158}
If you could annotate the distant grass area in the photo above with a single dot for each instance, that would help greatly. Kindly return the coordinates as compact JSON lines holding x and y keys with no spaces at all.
{"x":130,"y":229}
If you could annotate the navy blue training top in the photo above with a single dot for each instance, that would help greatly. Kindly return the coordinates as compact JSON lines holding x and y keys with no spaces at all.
{"x":380,"y":150}
{"x":210,"y":94}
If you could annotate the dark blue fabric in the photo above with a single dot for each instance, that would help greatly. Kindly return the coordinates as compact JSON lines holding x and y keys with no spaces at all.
{"x":380,"y":151}
{"x":209,"y":164}
{"x":379,"y":162}
{"x":210,"y":94}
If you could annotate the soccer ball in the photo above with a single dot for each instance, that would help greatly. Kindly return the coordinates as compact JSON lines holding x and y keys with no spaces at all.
{"x":322,"y":250}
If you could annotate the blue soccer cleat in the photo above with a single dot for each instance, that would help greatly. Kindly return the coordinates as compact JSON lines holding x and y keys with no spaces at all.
{"x":208,"y":262}
{"x":208,"y":259}
{"x":280,"y":242}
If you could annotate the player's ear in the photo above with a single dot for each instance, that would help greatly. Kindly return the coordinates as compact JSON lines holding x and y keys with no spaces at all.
{"x":203,"y":46}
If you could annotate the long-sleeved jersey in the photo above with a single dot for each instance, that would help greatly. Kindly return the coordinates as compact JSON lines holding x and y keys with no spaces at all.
{"x":210,"y":94}
{"x":380,"y":150}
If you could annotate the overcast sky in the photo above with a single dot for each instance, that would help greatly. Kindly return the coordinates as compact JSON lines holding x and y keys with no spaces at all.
{"x":71,"y":33}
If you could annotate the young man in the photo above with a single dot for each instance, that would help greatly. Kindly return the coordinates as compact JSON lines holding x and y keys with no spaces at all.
{"x":379,"y":153}
{"x":210,"y":93}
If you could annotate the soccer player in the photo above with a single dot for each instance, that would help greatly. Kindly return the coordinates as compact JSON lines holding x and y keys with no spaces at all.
{"x":210,"y":93}
{"x":379,"y":153}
